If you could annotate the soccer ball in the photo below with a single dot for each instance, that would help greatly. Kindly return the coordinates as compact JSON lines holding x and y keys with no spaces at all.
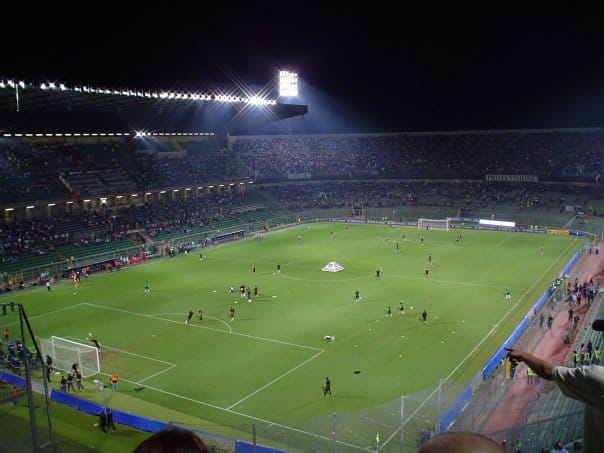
{"x":89,"y":334}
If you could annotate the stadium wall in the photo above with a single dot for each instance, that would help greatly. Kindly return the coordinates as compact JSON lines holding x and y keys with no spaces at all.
{"x":137,"y":421}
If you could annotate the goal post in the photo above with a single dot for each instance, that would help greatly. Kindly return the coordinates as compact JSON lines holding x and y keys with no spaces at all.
{"x":433,"y":224}
{"x":66,"y":352}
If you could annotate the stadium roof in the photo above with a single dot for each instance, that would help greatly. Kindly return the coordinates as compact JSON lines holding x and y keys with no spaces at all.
{"x":27,"y":106}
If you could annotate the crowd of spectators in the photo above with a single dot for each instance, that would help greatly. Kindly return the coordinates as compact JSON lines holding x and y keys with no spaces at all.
{"x":453,"y":155}
{"x":30,"y":170}
{"x":462,"y":194}
{"x":41,"y":236}
{"x":151,"y":172}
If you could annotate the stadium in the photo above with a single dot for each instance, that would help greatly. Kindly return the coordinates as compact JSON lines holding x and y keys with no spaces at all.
{"x":201,"y":259}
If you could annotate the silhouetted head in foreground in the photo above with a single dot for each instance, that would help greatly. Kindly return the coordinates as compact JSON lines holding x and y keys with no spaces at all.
{"x":172,"y":440}
{"x":460,"y":443}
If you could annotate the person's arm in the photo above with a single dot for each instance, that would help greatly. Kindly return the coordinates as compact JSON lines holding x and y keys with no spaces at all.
{"x":541,"y":367}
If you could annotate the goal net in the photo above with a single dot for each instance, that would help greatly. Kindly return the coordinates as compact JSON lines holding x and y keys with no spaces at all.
{"x":433,"y":224}
{"x":65,"y":353}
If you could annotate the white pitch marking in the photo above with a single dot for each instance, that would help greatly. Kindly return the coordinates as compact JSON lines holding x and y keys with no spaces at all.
{"x":127,"y":352}
{"x":205,"y":327}
{"x":156,"y":374}
{"x":209,"y":317}
{"x":45,"y":314}
{"x":276,"y":379}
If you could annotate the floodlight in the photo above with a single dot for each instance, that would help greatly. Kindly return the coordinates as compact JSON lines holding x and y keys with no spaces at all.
{"x":51,"y":85}
{"x":86,"y":201}
{"x":288,"y":84}
{"x":50,"y":205}
{"x":43,"y":86}
{"x":70,"y":202}
{"x":22,"y":84}
{"x":62,"y":87}
{"x":2,"y":84}
{"x":9,"y":209}
{"x":30,"y":207}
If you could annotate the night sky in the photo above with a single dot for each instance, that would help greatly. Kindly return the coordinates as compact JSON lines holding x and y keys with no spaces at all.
{"x":360,"y":71}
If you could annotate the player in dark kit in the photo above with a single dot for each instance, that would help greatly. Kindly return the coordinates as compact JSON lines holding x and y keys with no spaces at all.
{"x":189,"y":316}
{"x":232,"y":313}
{"x":377,"y":273}
{"x":200,"y":314}
{"x":426,"y":272}
{"x":327,"y":388}
{"x":278,"y":268}
{"x":429,"y":258}
{"x":425,"y":317}
{"x":255,"y":291}
{"x":357,"y":295}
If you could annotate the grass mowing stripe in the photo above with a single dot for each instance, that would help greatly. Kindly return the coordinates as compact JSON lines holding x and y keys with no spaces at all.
{"x":486,"y":336}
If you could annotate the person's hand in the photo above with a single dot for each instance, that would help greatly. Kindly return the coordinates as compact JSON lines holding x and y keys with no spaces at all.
{"x":515,"y":354}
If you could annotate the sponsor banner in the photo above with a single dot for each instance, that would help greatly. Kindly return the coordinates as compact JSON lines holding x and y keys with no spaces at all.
{"x":581,"y":234}
{"x":499,"y":228}
{"x":512,"y":178}
{"x":558,"y":232}
{"x":372,"y":222}
{"x":299,"y":176}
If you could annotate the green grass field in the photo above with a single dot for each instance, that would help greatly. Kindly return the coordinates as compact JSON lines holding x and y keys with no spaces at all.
{"x":269,"y":364}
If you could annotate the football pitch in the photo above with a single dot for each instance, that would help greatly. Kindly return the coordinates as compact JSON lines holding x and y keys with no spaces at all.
{"x":269,"y":364}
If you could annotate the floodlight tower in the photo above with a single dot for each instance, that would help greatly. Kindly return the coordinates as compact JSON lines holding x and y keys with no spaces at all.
{"x":288,"y":87}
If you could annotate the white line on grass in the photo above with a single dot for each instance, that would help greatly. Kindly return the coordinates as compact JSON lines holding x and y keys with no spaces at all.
{"x":171,"y":365}
{"x":205,"y":327}
{"x":275,"y":380}
{"x":157,"y":374}
{"x":268,"y":422}
{"x":45,"y":314}
{"x":209,"y":317}
{"x":482,"y":341}
{"x":127,"y":352}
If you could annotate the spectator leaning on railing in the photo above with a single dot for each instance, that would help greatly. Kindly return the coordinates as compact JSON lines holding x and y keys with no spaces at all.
{"x":585,"y":384}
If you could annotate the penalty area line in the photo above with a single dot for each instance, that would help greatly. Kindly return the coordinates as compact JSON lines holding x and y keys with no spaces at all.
{"x":143,"y":315}
{"x":276,"y":379}
{"x":209,"y":317}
